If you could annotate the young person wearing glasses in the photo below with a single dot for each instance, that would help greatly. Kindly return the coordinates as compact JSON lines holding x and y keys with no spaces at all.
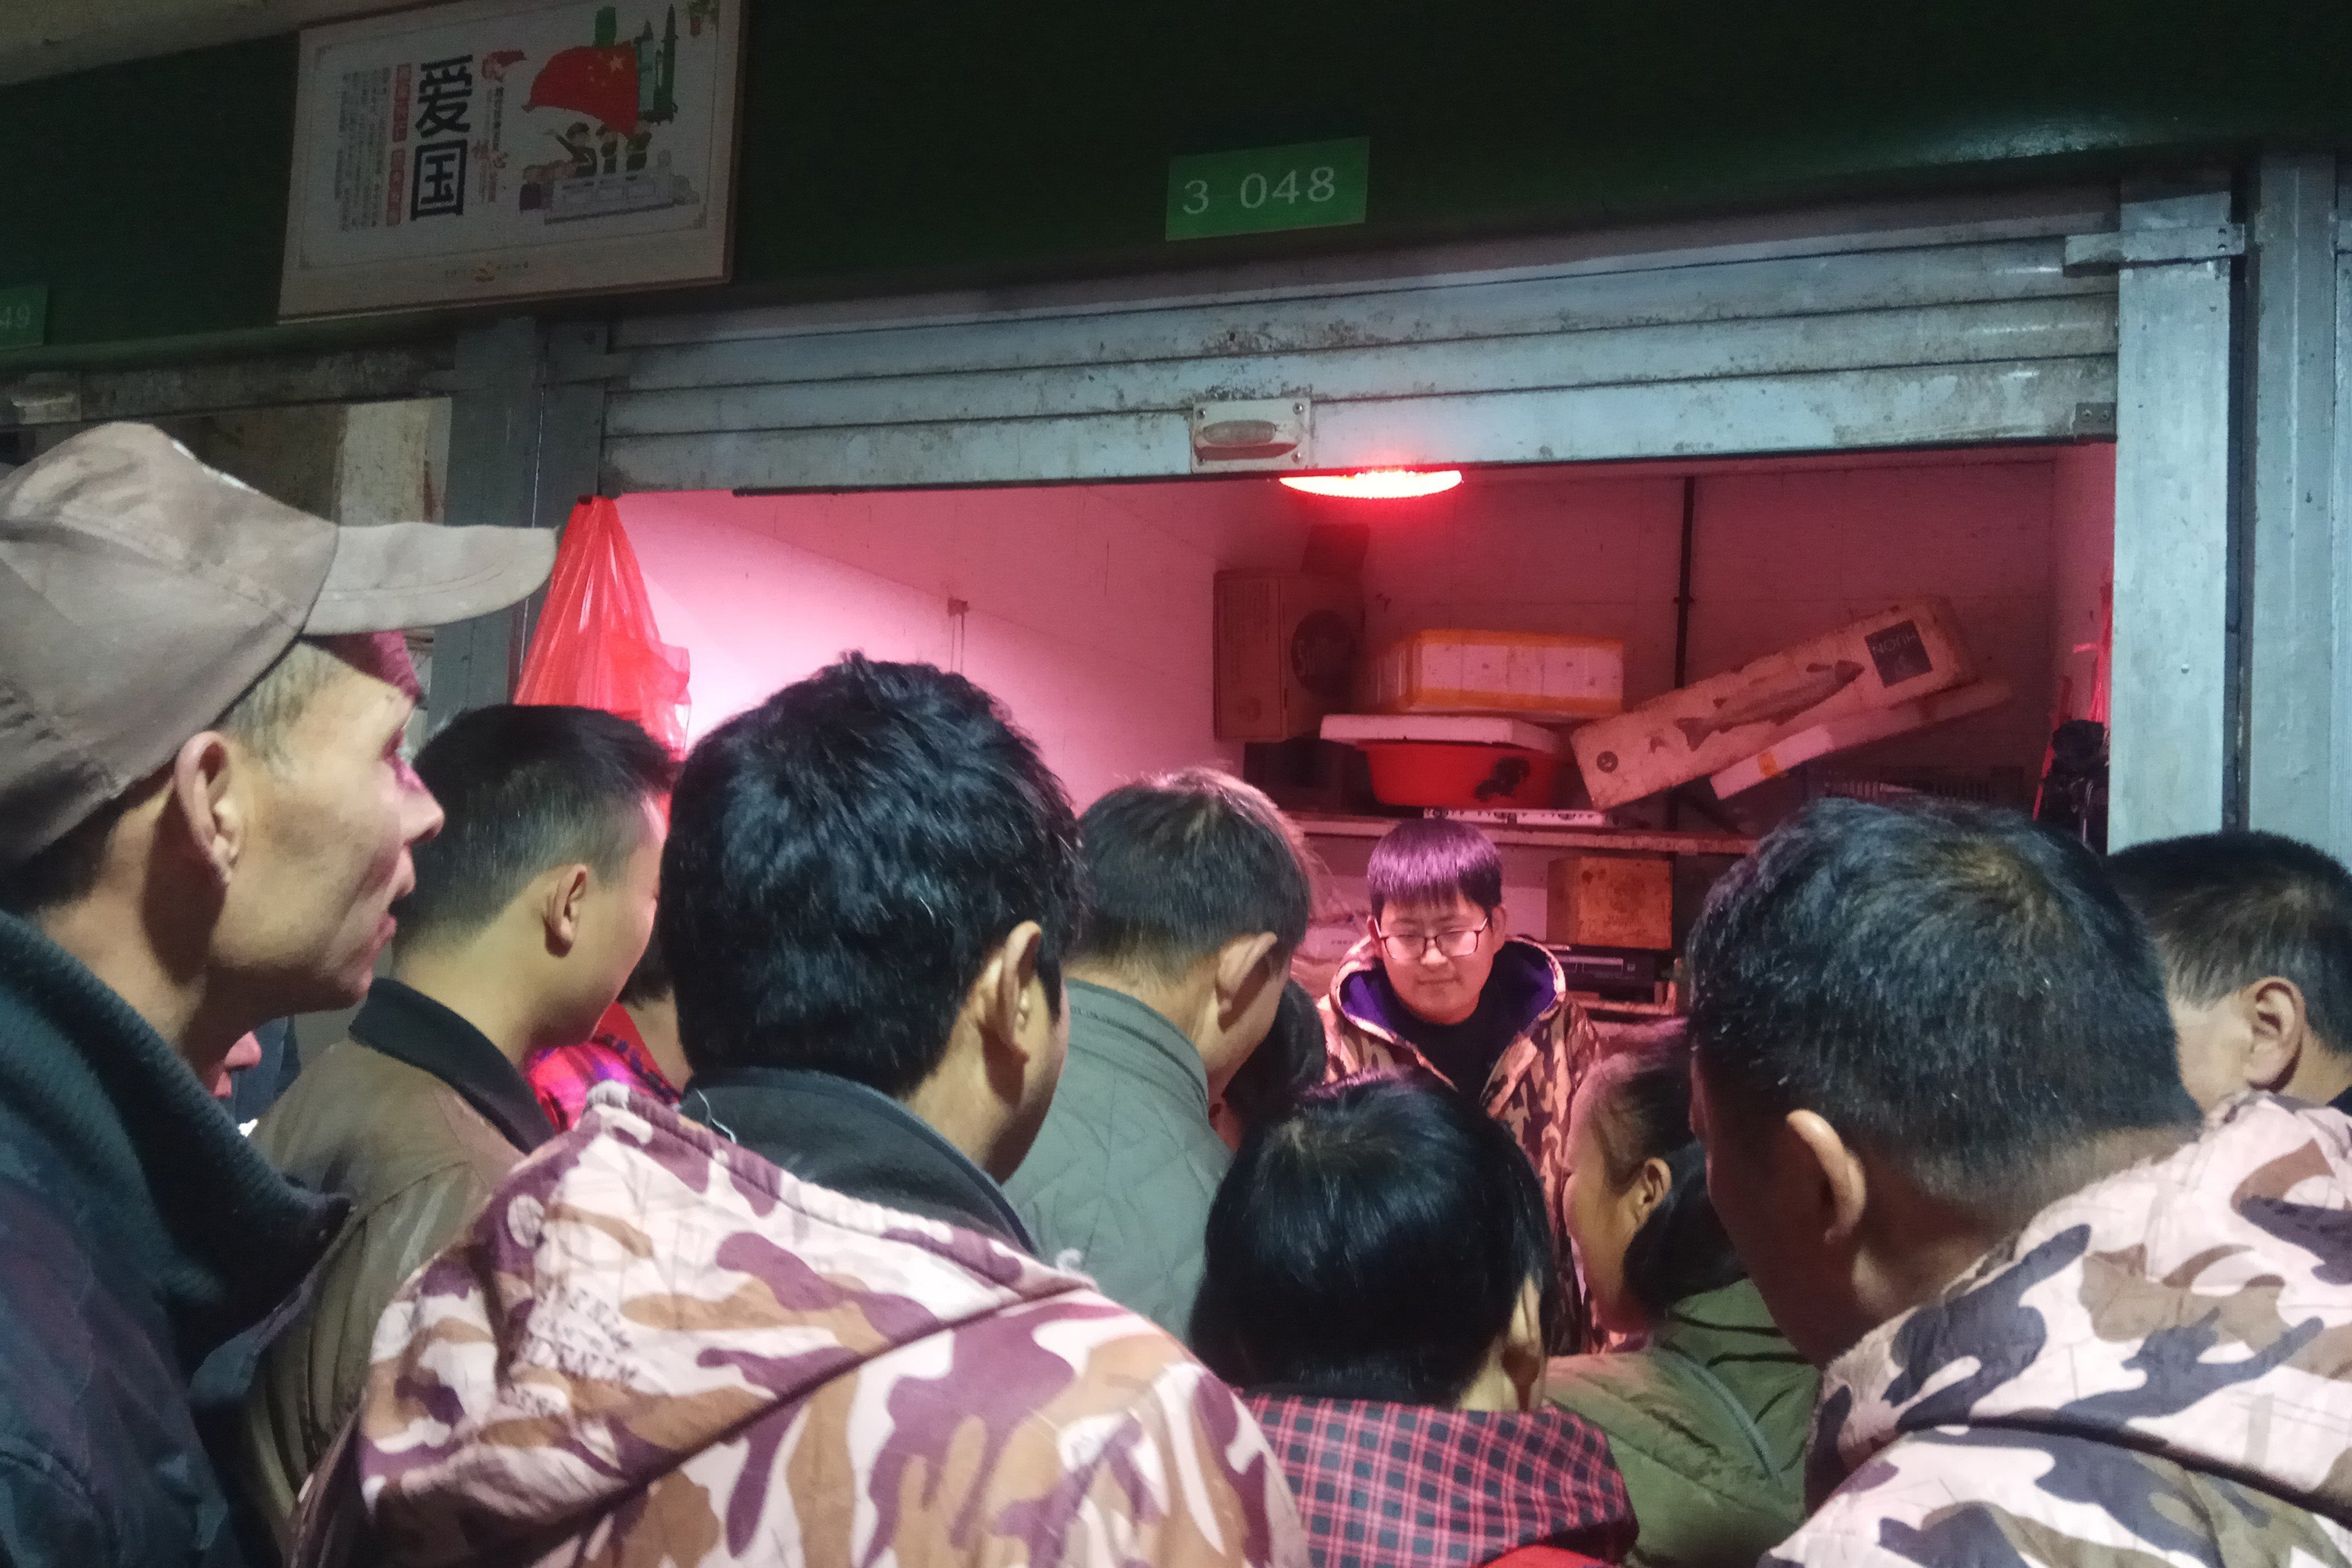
{"x":1439,"y":984}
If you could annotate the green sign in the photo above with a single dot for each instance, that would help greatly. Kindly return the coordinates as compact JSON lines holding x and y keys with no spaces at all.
{"x":1311,"y":186}
{"x":24,"y":316}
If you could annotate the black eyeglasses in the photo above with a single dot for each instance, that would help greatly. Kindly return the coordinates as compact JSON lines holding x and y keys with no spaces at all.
{"x":1406,"y":948}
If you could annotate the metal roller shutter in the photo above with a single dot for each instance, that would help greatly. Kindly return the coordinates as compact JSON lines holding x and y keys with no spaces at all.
{"x":1918,"y":324}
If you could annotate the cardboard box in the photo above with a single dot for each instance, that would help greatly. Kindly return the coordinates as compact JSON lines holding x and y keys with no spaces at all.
{"x":1612,"y":901}
{"x":1877,"y":663}
{"x":1858,"y":729}
{"x":1522,"y":675}
{"x":1287,"y":649}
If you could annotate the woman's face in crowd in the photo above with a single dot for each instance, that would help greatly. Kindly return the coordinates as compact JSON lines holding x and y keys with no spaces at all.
{"x":1601,"y":1220}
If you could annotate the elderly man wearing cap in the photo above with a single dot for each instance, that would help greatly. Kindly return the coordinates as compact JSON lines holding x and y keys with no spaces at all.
{"x":205,"y":819}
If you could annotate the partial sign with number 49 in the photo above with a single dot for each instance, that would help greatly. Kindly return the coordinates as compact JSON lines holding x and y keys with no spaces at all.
{"x":23,"y":315}
{"x":1313,"y":184}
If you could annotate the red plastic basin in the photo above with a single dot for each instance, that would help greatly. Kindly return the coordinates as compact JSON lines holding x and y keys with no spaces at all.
{"x":1446,"y":773}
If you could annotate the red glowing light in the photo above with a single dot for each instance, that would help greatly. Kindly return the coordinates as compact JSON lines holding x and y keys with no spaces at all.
{"x":1378,"y":484}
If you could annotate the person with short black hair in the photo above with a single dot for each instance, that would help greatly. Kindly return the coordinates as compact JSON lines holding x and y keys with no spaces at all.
{"x":2255,"y":931}
{"x":1292,"y":1058}
{"x":527,"y":913}
{"x":2057,"y":1312}
{"x":1198,"y":896}
{"x":795,"y":1320}
{"x":1440,"y":985}
{"x":1380,"y":1271}
{"x":1708,"y":1410}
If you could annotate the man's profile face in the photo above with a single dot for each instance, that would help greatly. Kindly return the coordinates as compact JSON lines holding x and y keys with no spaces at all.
{"x":2216,"y":1039}
{"x":1438,"y":988}
{"x":331,"y":820}
{"x":1799,"y":1283}
{"x":1046,"y":1047}
{"x":616,"y":921}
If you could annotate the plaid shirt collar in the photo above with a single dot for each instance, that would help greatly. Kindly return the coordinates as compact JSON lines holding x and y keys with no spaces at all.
{"x":1381,"y":1485}
{"x":563,"y":1075}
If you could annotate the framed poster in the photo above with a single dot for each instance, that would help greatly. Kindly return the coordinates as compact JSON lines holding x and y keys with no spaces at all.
{"x":498,"y":149}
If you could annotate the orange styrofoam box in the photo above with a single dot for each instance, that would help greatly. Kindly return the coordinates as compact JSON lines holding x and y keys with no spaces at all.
{"x":1522,"y":675}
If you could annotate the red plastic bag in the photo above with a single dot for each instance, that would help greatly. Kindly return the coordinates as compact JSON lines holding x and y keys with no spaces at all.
{"x":596,"y":644}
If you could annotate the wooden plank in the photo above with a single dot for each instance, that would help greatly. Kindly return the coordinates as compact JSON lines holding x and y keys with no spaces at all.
{"x":1631,"y":840}
{"x":1603,"y":1007}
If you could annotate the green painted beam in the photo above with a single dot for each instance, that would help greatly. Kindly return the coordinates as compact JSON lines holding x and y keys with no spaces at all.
{"x":916,"y":145}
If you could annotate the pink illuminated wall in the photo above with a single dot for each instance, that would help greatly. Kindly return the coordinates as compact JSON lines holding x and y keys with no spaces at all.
{"x":1089,"y":608}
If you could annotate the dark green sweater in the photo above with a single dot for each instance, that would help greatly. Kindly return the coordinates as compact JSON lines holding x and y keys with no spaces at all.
{"x":1123,"y":1172}
{"x":1707,"y":1426}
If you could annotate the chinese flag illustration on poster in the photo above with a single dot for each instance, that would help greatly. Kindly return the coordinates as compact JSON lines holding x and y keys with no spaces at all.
{"x":503,"y":148}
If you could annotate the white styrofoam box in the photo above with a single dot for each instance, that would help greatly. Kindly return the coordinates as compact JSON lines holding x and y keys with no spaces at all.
{"x":1462,"y":729}
{"x":1535,"y":674}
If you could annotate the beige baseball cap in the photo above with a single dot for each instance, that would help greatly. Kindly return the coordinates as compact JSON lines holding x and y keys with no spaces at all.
{"x":141,"y":592}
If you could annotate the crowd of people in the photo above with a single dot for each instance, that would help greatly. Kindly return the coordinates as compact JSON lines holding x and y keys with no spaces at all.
{"x":831,"y":1148}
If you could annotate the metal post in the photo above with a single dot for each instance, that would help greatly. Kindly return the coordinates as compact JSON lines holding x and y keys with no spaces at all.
{"x":527,"y":424}
{"x":493,"y":466}
{"x":2295,"y":743}
{"x":2170,"y":749}
{"x":2339,"y":704}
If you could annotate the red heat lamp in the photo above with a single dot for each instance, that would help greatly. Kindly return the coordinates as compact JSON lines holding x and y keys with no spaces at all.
{"x":1377,"y":484}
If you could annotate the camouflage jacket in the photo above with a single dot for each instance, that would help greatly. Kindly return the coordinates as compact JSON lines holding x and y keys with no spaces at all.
{"x":1528,"y":1090}
{"x":656,"y":1347}
{"x":2157,"y":1370}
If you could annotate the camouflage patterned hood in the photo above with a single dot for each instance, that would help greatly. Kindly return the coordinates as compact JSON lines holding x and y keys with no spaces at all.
{"x":655,"y":1346}
{"x":2177,"y":1334}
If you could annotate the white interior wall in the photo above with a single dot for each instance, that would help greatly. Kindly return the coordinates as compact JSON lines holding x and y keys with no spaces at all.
{"x":1089,"y":607}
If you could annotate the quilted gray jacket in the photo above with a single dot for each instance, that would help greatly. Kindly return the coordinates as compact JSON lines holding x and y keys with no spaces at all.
{"x":1124,"y":1170}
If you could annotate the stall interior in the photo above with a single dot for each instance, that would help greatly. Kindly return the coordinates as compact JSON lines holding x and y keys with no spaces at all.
{"x":1092,"y":612}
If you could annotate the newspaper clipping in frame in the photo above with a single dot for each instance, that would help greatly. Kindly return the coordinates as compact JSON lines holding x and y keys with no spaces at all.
{"x":500,"y":149}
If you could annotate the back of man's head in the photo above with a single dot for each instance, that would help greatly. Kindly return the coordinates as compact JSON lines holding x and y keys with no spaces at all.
{"x":843,"y":859}
{"x":2228,"y":910}
{"x":1956,"y":992}
{"x":1179,"y":865}
{"x":524,"y":790}
{"x":1374,"y":1242}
